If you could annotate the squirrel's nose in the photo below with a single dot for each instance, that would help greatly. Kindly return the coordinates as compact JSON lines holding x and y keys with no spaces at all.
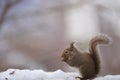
{"x":63,"y":59}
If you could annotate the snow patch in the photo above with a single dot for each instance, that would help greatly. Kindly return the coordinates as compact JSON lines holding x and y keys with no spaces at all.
{"x":15,"y":74}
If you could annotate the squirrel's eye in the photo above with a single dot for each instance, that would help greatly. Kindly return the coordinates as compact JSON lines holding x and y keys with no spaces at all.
{"x":66,"y":52}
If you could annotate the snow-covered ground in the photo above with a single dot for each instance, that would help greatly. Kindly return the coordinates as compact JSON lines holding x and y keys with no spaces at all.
{"x":15,"y":74}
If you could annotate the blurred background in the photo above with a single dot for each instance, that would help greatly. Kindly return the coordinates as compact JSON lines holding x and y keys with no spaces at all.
{"x":33,"y":33}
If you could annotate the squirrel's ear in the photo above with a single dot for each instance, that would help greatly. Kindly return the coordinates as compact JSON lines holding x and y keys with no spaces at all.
{"x":72,"y":45}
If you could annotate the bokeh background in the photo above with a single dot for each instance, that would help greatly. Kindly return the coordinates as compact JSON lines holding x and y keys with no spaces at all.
{"x":33,"y":33}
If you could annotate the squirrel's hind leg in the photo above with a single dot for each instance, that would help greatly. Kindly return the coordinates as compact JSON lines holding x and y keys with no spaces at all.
{"x":81,"y":78}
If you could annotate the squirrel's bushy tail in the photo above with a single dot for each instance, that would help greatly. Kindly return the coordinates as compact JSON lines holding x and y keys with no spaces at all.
{"x":99,"y":39}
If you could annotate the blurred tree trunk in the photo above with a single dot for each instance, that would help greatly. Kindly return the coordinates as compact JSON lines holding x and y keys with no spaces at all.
{"x":5,"y":7}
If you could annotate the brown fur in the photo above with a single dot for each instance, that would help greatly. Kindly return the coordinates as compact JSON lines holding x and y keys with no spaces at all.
{"x":87,"y":63}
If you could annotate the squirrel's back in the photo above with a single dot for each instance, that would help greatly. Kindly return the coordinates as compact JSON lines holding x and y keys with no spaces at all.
{"x":99,"y":39}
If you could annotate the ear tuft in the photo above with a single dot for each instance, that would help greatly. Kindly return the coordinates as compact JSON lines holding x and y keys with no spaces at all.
{"x":72,"y":45}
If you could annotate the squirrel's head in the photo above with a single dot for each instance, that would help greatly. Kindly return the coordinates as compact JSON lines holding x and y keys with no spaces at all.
{"x":67,"y":54}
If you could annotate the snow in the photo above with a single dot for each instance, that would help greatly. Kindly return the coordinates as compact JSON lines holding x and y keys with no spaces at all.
{"x":15,"y":74}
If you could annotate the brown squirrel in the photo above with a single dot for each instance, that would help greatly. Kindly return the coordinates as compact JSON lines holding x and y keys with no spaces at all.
{"x":88,"y":63}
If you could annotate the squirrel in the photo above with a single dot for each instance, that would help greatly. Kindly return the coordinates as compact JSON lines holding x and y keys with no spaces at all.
{"x":88,"y":63}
